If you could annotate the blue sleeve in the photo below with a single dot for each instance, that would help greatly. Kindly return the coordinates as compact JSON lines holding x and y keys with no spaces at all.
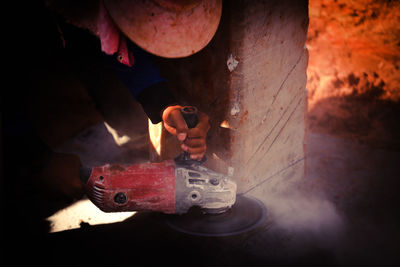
{"x":143,"y":74}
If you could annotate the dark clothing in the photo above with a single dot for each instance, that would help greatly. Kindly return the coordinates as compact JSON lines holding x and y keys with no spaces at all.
{"x":143,"y":79}
{"x":144,"y":82}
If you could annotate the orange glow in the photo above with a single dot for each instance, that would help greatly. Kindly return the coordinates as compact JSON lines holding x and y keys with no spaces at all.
{"x":225,"y":124}
{"x":354,"y":48}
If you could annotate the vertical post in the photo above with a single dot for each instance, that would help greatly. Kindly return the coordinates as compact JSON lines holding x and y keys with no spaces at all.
{"x":251,"y":81}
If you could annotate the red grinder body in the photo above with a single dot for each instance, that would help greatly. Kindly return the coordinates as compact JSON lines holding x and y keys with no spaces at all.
{"x":171,"y":187}
{"x":146,"y":186}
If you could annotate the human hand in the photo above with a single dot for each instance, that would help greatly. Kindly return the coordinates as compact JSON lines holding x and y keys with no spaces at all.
{"x":192,"y":140}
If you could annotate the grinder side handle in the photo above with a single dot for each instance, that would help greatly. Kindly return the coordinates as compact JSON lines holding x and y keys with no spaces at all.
{"x":189,"y":114}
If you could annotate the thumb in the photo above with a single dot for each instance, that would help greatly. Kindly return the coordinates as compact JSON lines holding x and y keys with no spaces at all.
{"x":175,"y":124}
{"x":180,"y":125}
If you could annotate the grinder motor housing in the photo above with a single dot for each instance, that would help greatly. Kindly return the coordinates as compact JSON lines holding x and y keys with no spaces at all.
{"x":167,"y":187}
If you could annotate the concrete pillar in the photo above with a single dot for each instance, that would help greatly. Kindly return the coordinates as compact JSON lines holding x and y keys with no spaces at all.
{"x":251,"y":81}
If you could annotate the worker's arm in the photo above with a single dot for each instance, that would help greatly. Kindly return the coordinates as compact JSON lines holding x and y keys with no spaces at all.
{"x":144,"y":82}
{"x":152,"y":92}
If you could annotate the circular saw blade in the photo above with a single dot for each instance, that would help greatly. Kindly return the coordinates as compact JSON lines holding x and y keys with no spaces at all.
{"x":246,"y":214}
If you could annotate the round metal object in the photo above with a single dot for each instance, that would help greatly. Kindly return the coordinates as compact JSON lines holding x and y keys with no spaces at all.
{"x":120,"y":198}
{"x":246,"y":214}
{"x":214,"y":181}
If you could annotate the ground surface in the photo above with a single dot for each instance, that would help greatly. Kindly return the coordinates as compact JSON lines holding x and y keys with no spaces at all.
{"x":344,"y":213}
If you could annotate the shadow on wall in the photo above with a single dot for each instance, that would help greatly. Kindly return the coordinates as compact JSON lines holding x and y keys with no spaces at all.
{"x":361,"y":115}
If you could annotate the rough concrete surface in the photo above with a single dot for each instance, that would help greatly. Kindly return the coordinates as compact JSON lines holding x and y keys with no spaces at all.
{"x":354,"y":45}
{"x":252,"y":79}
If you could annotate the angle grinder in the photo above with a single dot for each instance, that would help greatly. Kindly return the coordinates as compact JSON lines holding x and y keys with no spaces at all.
{"x":203,"y":202}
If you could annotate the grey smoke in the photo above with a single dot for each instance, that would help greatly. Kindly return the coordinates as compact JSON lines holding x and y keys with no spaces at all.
{"x":307,"y":219}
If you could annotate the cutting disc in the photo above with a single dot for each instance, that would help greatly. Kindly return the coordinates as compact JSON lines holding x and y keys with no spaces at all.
{"x":246,"y":214}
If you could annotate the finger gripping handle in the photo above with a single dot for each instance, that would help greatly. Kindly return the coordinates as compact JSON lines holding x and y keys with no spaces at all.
{"x":189,"y":113}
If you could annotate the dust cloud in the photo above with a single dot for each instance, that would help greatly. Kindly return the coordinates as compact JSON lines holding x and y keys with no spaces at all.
{"x":305,"y":220}
{"x":313,"y":215}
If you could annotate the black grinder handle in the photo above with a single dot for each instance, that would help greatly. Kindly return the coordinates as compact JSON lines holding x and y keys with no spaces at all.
{"x":189,"y":113}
